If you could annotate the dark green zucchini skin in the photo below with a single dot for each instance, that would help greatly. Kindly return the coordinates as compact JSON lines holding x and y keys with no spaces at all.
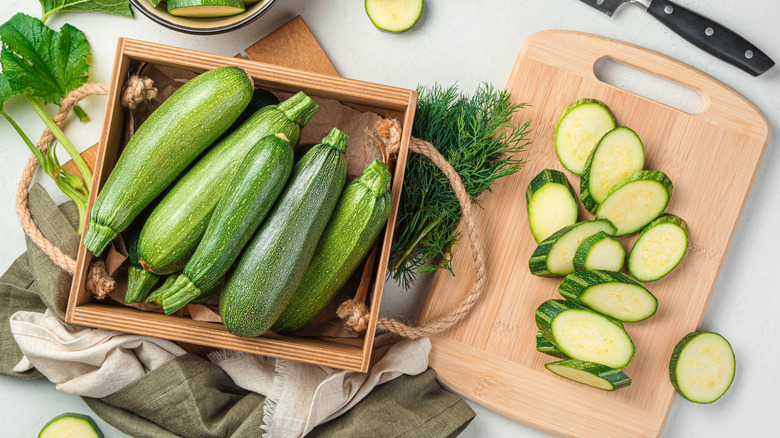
{"x":273,"y":262}
{"x":359,"y":217}
{"x":175,"y":227}
{"x":164,"y":145}
{"x":258,"y":181}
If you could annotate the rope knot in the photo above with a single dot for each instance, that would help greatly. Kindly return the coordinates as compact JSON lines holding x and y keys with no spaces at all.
{"x":354,"y":314}
{"x":99,"y":283}
{"x":138,"y":89}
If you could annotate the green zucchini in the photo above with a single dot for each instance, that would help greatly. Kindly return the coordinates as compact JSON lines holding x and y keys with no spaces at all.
{"x":555,"y":255}
{"x":702,"y":366}
{"x":599,"y":251}
{"x":165,"y":144}
{"x":636,"y":200}
{"x":175,"y":227}
{"x":359,"y":216}
{"x":71,"y":425}
{"x":610,"y":293}
{"x":618,"y":154}
{"x":543,"y":345}
{"x":394,"y":15}
{"x":258,"y":181}
{"x":660,"y":247}
{"x":581,"y":333}
{"x":579,"y":129}
{"x":205,"y":8}
{"x":590,"y":373}
{"x":273,"y":262}
{"x":551,"y":203}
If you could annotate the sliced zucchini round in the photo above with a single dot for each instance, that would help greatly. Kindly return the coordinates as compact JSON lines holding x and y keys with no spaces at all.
{"x":394,"y":15}
{"x":555,"y":255}
{"x":660,"y":247}
{"x":636,"y":200}
{"x":610,"y":293}
{"x":543,"y":345}
{"x":599,"y":251}
{"x":618,"y":154}
{"x":71,"y":425}
{"x":205,"y":8}
{"x":702,"y":366}
{"x":579,"y":129}
{"x":590,"y":373}
{"x":551,"y":203}
{"x":581,"y":333}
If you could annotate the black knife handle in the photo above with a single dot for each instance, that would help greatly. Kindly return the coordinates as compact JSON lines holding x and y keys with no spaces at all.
{"x":711,"y":37}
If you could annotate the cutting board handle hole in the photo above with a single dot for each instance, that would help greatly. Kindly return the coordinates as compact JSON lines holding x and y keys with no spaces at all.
{"x":656,"y":88}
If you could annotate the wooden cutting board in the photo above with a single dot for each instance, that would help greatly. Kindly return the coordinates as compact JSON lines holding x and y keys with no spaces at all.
{"x":712,"y":158}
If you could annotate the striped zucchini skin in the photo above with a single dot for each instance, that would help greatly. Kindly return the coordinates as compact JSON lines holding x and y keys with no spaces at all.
{"x":273,"y":262}
{"x":165,"y":144}
{"x":359,"y":217}
{"x":618,"y":217}
{"x":543,"y":345}
{"x":575,"y":288}
{"x":251,"y":193}
{"x":590,"y":373}
{"x":176,"y":226}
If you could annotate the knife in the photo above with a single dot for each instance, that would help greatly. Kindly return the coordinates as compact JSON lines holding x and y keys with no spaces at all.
{"x":708,"y":35}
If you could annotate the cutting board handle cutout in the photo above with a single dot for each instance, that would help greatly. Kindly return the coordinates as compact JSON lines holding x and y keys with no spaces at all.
{"x":659,"y":89}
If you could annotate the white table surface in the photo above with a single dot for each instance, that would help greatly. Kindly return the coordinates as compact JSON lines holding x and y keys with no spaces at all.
{"x":470,"y":42}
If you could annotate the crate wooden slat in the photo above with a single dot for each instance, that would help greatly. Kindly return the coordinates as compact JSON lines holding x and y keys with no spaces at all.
{"x":712,"y":157}
{"x":335,"y":352}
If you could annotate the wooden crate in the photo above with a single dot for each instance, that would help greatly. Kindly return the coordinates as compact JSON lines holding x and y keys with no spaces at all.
{"x":345,"y":353}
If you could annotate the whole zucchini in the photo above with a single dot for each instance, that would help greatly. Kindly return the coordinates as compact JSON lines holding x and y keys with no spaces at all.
{"x":164,"y":145}
{"x":272,"y":264}
{"x":259,"y":180}
{"x":360,"y":215}
{"x":176,"y":225}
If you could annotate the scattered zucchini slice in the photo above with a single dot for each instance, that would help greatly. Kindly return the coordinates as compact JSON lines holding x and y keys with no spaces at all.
{"x":71,"y":425}
{"x":590,"y":373}
{"x":205,"y":8}
{"x":581,"y":333}
{"x":618,"y":154}
{"x":543,"y":345}
{"x":660,"y":248}
{"x":599,"y":251}
{"x":579,"y":129}
{"x":636,"y":200}
{"x":394,"y":15}
{"x":551,"y":203}
{"x":613,"y":294}
{"x":702,"y":366}
{"x":555,"y":255}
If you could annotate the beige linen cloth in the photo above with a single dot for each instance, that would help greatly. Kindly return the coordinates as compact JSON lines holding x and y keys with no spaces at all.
{"x":96,"y":363}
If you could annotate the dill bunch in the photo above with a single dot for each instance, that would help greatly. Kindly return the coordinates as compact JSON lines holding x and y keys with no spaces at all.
{"x":476,"y":135}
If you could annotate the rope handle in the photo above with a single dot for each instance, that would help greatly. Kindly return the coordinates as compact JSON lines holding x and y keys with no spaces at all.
{"x":354,"y":312}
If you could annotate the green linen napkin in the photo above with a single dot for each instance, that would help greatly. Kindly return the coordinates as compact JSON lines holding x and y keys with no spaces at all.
{"x":189,"y":396}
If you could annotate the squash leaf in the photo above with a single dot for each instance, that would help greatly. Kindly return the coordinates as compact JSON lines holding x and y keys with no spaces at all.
{"x":40,"y":62}
{"x":5,"y":91}
{"x":116,"y":7}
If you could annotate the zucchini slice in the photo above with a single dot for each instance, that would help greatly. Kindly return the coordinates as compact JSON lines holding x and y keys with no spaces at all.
{"x":555,"y":255}
{"x":618,"y":154}
{"x":702,"y":366}
{"x":613,"y":294}
{"x":590,"y":373}
{"x":636,"y":200}
{"x":72,"y":425}
{"x":579,"y":129}
{"x":661,"y":246}
{"x":599,"y":251}
{"x":581,"y":333}
{"x":394,"y":15}
{"x":543,"y":345}
{"x":205,"y":8}
{"x":551,"y":203}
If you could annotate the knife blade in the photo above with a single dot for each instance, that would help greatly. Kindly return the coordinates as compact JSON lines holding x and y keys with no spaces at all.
{"x":706,"y":34}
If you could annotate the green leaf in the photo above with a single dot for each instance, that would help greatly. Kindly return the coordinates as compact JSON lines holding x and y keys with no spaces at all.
{"x":116,"y":7}
{"x":5,"y":91}
{"x":40,"y":62}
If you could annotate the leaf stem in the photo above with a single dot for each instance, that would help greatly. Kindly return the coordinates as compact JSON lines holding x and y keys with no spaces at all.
{"x":82,"y":115}
{"x":78,"y":198}
{"x":86,"y":174}
{"x":37,"y":152}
